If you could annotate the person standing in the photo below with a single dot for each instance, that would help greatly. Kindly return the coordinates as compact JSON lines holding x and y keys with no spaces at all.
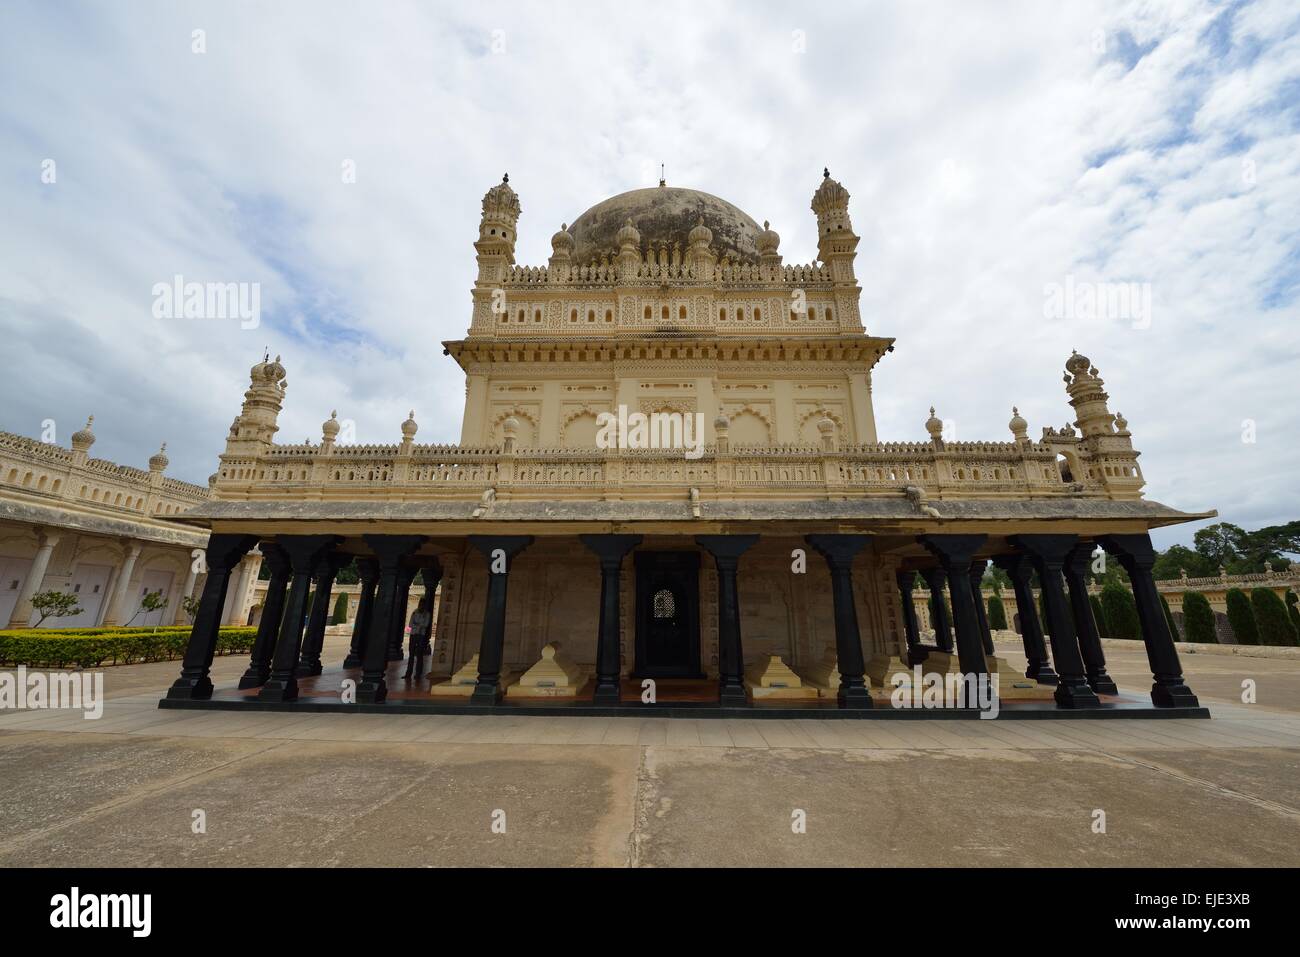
{"x":421,"y":626}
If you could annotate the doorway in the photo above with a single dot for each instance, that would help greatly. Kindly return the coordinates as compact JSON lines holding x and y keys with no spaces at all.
{"x":668,"y":615}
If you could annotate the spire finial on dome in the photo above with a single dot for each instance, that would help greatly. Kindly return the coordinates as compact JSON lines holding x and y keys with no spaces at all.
{"x":662,"y":180}
{"x":826,"y":172}
{"x":505,"y":177}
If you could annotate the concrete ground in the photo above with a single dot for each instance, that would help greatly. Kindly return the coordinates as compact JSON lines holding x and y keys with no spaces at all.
{"x":471,"y":790}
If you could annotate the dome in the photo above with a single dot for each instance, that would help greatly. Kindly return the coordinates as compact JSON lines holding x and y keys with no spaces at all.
{"x":158,"y":462}
{"x":84,"y":438}
{"x":664,"y":215}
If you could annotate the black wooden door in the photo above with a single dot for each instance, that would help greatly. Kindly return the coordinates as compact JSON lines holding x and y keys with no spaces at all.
{"x":667,"y":615}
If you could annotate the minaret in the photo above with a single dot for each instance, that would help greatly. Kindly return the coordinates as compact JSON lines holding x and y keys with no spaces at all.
{"x":496,"y":233}
{"x":1087,"y":397}
{"x":253,"y":430}
{"x":1108,"y":449}
{"x":837,"y":246}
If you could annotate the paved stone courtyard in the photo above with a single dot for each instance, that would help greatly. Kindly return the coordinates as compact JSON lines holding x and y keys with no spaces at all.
{"x":425,"y":790}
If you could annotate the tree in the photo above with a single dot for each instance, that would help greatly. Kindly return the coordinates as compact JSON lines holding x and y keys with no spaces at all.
{"x":1169,"y":618}
{"x":54,"y":604}
{"x":1242,"y":618}
{"x":1099,"y":616}
{"x":1221,"y":543}
{"x":1171,"y":564}
{"x":348,"y":574}
{"x":340,"y":615}
{"x":1120,"y":611}
{"x":997,"y":614}
{"x":1275,"y":627}
{"x":152,"y":601}
{"x":1198,"y":619}
{"x":190,"y":605}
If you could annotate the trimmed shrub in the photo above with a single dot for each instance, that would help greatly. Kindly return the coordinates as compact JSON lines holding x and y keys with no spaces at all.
{"x":1120,"y":611}
{"x":1275,"y":627}
{"x":1293,"y":612}
{"x":1242,"y":618}
{"x":1099,"y":616}
{"x":1198,"y":619}
{"x":1169,"y":618}
{"x":997,"y":614}
{"x":340,"y":616}
{"x":93,"y":647}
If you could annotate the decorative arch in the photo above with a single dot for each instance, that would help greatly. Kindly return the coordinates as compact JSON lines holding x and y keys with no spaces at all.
{"x":817,"y":413}
{"x":572,"y":439}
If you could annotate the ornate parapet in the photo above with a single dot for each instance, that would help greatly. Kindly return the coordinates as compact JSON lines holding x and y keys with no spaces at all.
{"x":49,"y":474}
{"x":970,"y":470}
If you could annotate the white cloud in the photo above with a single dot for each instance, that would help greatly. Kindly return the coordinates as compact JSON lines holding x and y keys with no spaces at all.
{"x":987,"y":156}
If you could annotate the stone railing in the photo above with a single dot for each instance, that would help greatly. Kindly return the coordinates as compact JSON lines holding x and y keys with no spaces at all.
{"x":651,"y":270}
{"x":409,"y":472}
{"x":58,"y":476}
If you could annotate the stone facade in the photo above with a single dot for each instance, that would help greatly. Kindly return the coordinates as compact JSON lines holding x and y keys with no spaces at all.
{"x":105,"y":532}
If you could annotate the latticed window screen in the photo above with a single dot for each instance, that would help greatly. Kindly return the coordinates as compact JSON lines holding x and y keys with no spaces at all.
{"x":665,"y":605}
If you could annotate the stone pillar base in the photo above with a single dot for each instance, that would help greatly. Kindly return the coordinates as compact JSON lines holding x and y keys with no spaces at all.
{"x":770,"y":677}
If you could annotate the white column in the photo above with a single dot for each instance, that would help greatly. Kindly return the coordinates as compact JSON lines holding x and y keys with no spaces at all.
{"x":22,"y":613}
{"x":180,"y":617}
{"x":117,"y":607}
{"x":235,"y":611}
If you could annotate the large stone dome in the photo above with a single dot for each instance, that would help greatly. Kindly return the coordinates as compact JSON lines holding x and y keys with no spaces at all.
{"x":664,"y":214}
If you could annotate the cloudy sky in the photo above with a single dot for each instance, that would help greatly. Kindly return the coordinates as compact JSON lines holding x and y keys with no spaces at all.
{"x":991,"y":151}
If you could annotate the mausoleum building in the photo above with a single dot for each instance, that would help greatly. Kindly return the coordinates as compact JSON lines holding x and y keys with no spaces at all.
{"x":669,"y":470}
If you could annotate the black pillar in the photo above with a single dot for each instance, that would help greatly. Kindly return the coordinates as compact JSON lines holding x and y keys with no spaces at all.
{"x":368,"y":573}
{"x":326,"y":570}
{"x":1137,"y":556}
{"x":390,"y":551}
{"x":1094,"y":659}
{"x":934,"y":579}
{"x":977,"y":570}
{"x":726,"y":551}
{"x":305,"y":554}
{"x":839,"y":552}
{"x":259,"y":664}
{"x":430,"y":576}
{"x":1019,"y":568}
{"x":1048,"y":553}
{"x":223,"y":553}
{"x":405,"y":576}
{"x":611,"y":550}
{"x":906,"y":581}
{"x":955,"y":553}
{"x":500,"y":551}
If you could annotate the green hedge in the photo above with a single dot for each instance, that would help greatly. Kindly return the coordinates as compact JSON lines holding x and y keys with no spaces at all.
{"x":997,"y":614}
{"x":93,"y":647}
{"x":1292,"y":611}
{"x":1121,"y":611}
{"x":1099,"y":616}
{"x":1198,"y":619}
{"x":1241,"y":616}
{"x":340,"y":616}
{"x":1275,"y":627}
